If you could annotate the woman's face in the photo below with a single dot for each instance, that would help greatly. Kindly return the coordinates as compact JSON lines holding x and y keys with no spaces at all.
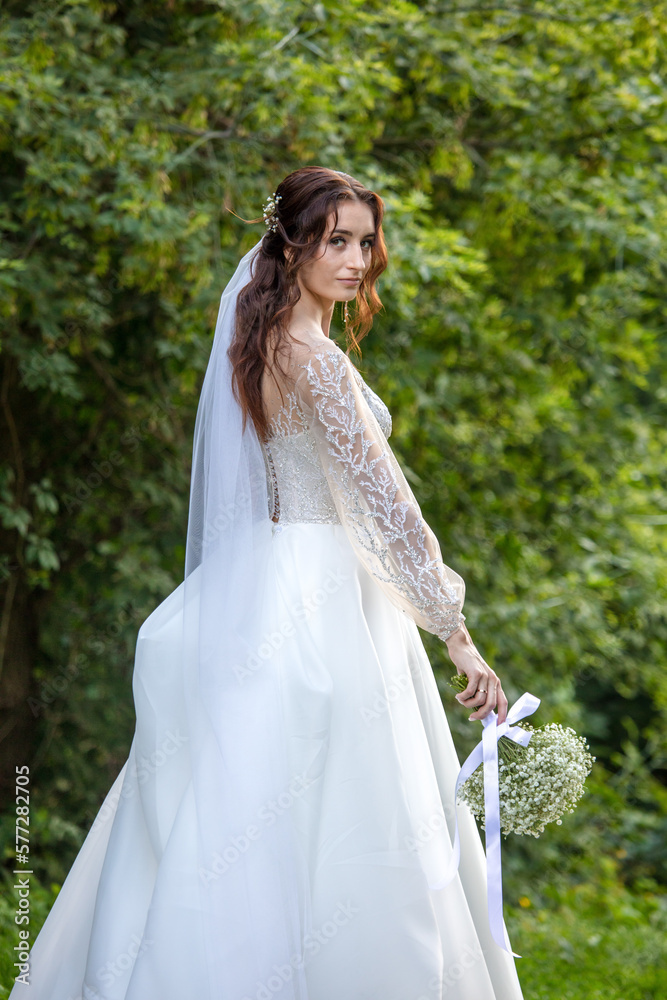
{"x":345,"y":254}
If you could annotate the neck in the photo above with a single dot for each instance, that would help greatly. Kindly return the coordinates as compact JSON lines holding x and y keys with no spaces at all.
{"x":313,"y":312}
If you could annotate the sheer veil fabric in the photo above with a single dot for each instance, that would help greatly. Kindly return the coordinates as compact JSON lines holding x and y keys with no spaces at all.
{"x":287,"y":803}
{"x":237,"y":734}
{"x":144,"y":913}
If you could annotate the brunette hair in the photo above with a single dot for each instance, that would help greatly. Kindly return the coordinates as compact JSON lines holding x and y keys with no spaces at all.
{"x":263,"y":307}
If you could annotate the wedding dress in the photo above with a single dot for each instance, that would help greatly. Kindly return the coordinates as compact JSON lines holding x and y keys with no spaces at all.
{"x":349,"y":571}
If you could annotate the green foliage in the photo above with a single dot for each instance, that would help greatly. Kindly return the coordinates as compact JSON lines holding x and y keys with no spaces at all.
{"x":520,"y":151}
{"x":595,"y":941}
{"x":41,"y":901}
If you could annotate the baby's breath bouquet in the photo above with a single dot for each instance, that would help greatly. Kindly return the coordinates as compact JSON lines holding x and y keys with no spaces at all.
{"x":538,"y":783}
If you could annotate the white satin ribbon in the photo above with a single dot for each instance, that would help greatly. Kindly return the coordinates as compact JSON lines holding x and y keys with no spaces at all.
{"x":486,"y":753}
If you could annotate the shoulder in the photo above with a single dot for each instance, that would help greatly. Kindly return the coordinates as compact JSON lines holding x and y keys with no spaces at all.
{"x":302,"y":344}
{"x":320,"y":371}
{"x":312,"y":353}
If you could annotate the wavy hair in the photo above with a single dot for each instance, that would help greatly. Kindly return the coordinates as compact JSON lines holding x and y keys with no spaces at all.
{"x":308,"y":196}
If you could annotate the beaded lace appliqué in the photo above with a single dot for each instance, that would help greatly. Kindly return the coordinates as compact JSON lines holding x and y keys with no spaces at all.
{"x":377,"y":506}
{"x":298,"y":486}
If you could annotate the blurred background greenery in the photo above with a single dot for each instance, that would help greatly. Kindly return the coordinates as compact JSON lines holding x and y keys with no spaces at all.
{"x":521,"y":153}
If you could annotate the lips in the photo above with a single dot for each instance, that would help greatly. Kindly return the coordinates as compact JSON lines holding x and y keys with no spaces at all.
{"x":350,"y":281}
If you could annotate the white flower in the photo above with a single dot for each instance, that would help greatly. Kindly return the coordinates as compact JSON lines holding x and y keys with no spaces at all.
{"x":270,"y":211}
{"x":538,"y":783}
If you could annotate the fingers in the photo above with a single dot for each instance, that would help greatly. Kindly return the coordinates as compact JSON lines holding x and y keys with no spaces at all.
{"x":487,"y":700}
{"x":502,"y":705}
{"x":475,"y":694}
{"x":475,"y":681}
{"x":484,"y":694}
{"x":476,"y":676}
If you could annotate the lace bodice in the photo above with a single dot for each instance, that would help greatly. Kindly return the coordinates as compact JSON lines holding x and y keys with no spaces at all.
{"x":328,"y":461}
{"x":297,"y":485}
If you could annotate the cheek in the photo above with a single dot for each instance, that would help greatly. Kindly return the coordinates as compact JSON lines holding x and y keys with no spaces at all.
{"x":326,"y":268}
{"x":321,"y":274}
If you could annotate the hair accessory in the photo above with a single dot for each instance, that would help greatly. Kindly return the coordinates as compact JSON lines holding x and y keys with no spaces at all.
{"x":270,"y":212}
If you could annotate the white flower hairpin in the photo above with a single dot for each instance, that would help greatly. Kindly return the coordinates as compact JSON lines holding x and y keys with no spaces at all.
{"x":270,"y":212}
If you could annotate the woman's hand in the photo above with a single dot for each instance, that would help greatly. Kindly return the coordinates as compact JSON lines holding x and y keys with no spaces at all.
{"x":484,"y":691}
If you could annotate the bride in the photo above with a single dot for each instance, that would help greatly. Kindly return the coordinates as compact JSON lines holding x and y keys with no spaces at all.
{"x":282,"y":828}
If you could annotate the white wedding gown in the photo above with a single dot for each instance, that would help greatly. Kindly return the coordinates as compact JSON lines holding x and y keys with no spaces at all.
{"x":370,"y":750}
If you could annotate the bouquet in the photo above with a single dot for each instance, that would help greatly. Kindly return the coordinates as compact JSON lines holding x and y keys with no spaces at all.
{"x":537,"y":783}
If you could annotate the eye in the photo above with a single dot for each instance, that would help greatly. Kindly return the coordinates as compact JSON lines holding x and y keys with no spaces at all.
{"x":341,"y":239}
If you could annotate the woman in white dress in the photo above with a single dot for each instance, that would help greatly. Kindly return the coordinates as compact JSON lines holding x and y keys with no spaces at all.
{"x":283,"y":826}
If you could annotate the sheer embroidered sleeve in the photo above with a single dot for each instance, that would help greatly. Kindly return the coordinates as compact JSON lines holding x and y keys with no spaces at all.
{"x":372,"y":497}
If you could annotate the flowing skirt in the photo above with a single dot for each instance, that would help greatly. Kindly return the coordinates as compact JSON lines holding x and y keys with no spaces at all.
{"x":370,"y":799}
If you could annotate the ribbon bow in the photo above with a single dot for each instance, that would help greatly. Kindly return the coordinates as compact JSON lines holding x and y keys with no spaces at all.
{"x":486,"y":752}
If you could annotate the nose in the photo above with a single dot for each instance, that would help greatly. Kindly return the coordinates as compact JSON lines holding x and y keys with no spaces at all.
{"x":356,"y":260}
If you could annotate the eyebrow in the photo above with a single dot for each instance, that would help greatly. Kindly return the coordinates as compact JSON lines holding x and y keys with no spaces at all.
{"x":346,"y":232}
